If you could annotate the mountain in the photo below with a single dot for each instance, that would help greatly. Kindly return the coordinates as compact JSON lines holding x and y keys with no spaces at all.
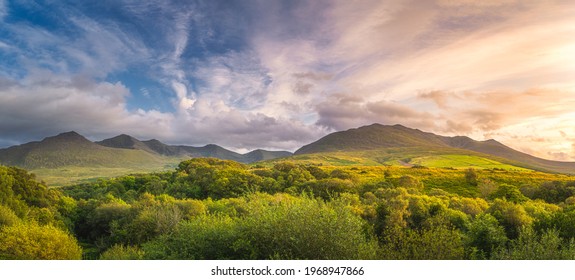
{"x":124,"y":141}
{"x":371,"y":137}
{"x":73,"y":149}
{"x":384,"y":143}
{"x":70,"y":149}
{"x":156,"y":147}
{"x":259,"y":155}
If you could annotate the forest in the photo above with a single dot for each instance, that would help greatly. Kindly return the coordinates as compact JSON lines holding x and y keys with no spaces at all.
{"x":219,"y":209}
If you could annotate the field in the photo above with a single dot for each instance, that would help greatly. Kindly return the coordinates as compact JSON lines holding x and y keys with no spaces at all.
{"x":69,"y":175}
{"x":463,"y":161}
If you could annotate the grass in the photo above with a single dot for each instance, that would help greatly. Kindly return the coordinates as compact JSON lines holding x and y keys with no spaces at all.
{"x":463,"y":161}
{"x":69,"y":175}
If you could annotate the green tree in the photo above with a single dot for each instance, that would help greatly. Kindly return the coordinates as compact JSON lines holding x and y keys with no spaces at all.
{"x":34,"y":242}
{"x":410,"y":182}
{"x":121,"y":252}
{"x":509,"y":192}
{"x":511,"y":216}
{"x":471,"y":176}
{"x":532,"y":246}
{"x":7,"y":216}
{"x":484,"y":235}
{"x":437,"y":243}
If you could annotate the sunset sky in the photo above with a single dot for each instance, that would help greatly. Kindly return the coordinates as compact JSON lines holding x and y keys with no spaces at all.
{"x":281,"y":74}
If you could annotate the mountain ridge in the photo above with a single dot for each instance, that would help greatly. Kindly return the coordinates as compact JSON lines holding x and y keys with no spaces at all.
{"x":378,"y":136}
{"x":380,"y":142}
{"x":72,"y":149}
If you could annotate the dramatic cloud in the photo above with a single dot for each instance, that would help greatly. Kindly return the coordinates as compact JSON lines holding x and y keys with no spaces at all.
{"x":280,"y":74}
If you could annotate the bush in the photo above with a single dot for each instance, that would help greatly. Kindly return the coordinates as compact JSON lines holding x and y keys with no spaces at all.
{"x":121,"y":252}
{"x":438,"y":243}
{"x":484,"y":235}
{"x":532,"y":246}
{"x":272,"y":227}
{"x":7,"y":216}
{"x":209,"y":237}
{"x":35,"y":242}
{"x":307,"y":229}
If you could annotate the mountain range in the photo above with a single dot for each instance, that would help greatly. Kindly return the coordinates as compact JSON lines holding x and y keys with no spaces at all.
{"x":73,"y":149}
{"x":374,"y":144}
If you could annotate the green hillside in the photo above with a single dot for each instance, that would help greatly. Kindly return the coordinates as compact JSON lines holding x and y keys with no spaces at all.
{"x":70,"y":158}
{"x":72,"y":149}
{"x":399,"y":145}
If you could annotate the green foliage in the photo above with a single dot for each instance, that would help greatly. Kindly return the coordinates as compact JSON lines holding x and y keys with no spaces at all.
{"x":471,"y":176}
{"x":7,"y":216}
{"x":328,"y":188}
{"x":306,"y":228}
{"x":484,"y":236}
{"x":218,"y":209}
{"x":508,"y":192}
{"x":552,"y":192}
{"x":215,"y":178}
{"x":511,"y":216}
{"x":410,"y":182}
{"x":206,"y":237}
{"x":121,"y":252}
{"x":34,"y":242}
{"x":487,"y":187}
{"x":437,"y":243}
{"x":532,"y":246}
{"x":284,"y":226}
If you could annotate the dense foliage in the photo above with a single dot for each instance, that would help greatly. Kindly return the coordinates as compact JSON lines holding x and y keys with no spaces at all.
{"x":217,"y":209}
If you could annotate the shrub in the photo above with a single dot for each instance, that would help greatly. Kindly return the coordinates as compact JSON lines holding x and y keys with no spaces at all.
{"x":34,"y":242}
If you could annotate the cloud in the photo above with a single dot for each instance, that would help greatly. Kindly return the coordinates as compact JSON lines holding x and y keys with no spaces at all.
{"x":278,"y":74}
{"x":3,"y":9}
{"x":345,"y":111}
{"x":440,"y":98}
{"x":43,"y":108}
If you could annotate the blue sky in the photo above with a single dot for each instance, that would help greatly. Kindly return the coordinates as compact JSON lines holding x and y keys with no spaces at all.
{"x":280,"y":74}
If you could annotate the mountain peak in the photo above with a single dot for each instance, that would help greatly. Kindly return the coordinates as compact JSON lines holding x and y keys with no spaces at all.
{"x":69,"y":133}
{"x":70,"y":136}
{"x":122,"y":141}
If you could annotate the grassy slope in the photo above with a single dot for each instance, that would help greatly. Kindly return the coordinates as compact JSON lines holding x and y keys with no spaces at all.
{"x":69,"y":175}
{"x":391,"y":144}
{"x":463,"y":161}
{"x":58,"y":165}
{"x":407,"y":156}
{"x":448,"y":179}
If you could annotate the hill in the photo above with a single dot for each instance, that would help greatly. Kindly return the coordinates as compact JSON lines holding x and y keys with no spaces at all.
{"x":259,"y":155}
{"x":72,"y":149}
{"x":383,"y":144}
{"x":70,"y":157}
{"x":156,"y":147}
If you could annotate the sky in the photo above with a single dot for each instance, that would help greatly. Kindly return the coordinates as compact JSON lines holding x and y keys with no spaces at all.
{"x":280,"y":74}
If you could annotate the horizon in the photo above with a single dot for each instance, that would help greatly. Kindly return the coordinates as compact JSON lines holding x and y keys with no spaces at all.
{"x":243,"y":152}
{"x":277,"y":75}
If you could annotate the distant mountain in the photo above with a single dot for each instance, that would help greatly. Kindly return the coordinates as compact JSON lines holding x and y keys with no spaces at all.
{"x":72,"y":149}
{"x":259,"y":155}
{"x":415,"y":142}
{"x":154,"y":146}
{"x":124,"y":141}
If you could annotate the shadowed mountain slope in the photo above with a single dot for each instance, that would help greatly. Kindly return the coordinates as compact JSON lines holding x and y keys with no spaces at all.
{"x":73,"y":149}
